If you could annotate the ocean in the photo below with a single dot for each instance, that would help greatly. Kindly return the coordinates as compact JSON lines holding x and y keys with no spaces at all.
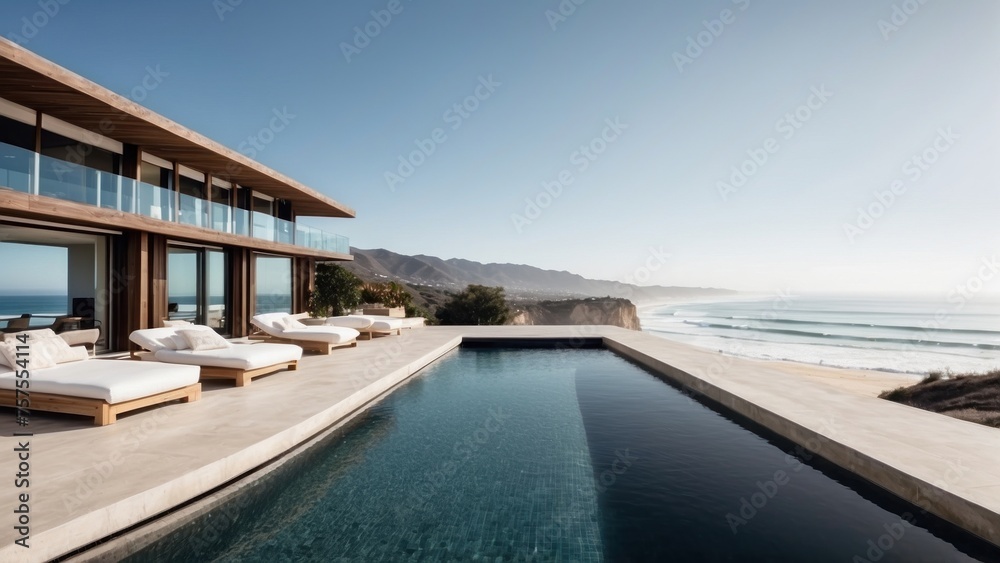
{"x":904,"y":335}
{"x":49,"y":305}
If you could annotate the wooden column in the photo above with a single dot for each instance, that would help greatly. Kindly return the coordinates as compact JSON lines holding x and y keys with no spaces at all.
{"x":157,"y":280}
{"x":240,"y":292}
{"x":303,"y":281}
{"x":130,"y":288}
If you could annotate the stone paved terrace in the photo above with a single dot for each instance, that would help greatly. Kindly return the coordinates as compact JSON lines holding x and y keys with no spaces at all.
{"x":88,"y":482}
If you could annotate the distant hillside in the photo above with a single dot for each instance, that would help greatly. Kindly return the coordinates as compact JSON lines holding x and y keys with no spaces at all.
{"x":520,"y":281}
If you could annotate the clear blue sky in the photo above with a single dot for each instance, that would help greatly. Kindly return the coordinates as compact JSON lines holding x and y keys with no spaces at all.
{"x":657,"y":184}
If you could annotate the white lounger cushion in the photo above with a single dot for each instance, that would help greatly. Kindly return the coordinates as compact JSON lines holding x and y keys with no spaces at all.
{"x":329,"y":334}
{"x":165,"y":338}
{"x":408,"y":322}
{"x":239,"y":356}
{"x":114,"y":381}
{"x":357,"y":323}
{"x":373,"y":323}
{"x":323,"y":333}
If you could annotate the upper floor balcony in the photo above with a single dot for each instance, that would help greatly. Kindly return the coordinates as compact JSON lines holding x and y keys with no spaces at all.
{"x":36,"y":174}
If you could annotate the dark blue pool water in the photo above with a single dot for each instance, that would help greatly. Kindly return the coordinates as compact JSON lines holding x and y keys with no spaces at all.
{"x":545,"y":455}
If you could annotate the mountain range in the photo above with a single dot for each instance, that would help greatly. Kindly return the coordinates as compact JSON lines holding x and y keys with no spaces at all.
{"x":520,"y":281}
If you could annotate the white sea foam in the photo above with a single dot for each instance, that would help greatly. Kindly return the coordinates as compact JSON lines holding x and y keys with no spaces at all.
{"x":897,"y":335}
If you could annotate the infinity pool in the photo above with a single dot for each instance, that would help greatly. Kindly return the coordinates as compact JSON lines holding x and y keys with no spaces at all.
{"x":559,"y":455}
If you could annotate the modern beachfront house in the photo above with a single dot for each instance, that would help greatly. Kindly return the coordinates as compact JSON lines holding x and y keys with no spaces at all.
{"x":154,"y":221}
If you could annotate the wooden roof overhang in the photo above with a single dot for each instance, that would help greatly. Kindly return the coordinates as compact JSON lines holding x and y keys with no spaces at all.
{"x":34,"y":82}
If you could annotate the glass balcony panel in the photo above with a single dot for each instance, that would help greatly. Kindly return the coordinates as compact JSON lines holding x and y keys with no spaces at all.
{"x":17,"y":168}
{"x":241,"y":222}
{"x":110,"y":190}
{"x":193,"y":211}
{"x":284,"y":231}
{"x":222,"y":217}
{"x":263,"y":226}
{"x":155,"y":202}
{"x":67,"y":181}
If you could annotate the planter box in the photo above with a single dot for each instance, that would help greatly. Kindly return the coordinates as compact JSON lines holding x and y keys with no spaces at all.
{"x":398,"y":312}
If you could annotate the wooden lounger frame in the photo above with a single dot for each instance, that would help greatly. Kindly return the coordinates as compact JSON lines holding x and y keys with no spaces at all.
{"x":242,"y":377}
{"x":371,"y":333}
{"x":104,"y":413}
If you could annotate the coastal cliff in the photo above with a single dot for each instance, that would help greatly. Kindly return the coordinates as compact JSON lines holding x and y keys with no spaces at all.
{"x":592,"y":311}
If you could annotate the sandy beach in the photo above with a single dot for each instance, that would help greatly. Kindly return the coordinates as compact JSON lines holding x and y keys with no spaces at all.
{"x":862,"y":382}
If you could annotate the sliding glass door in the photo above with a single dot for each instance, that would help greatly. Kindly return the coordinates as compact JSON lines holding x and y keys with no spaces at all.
{"x":197,"y":283}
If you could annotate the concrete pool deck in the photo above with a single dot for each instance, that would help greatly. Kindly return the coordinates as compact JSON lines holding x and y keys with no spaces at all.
{"x":91,"y":482}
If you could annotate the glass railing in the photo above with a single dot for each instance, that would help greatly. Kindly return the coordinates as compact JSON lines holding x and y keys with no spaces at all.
{"x":221,"y":217}
{"x":29,"y":172}
{"x":262,"y":226}
{"x":17,"y":168}
{"x":241,"y":222}
{"x":193,"y":211}
{"x":310,"y":237}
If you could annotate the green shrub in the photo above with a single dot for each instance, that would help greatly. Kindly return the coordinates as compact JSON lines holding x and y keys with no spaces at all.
{"x":477,"y":305}
{"x":389,"y":294}
{"x":337,"y":291}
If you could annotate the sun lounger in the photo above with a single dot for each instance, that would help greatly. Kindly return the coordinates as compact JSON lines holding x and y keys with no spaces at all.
{"x":238,"y":362}
{"x":405,"y":322}
{"x":282,"y":327}
{"x":368,"y":325}
{"x":102,"y":389}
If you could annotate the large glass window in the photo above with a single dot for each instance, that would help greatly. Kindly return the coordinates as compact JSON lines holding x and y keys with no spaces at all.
{"x":154,"y":175}
{"x":274,"y":285}
{"x":13,"y":132}
{"x":67,"y":286}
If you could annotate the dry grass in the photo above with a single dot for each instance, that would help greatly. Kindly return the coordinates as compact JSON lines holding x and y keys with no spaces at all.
{"x":972,"y":397}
